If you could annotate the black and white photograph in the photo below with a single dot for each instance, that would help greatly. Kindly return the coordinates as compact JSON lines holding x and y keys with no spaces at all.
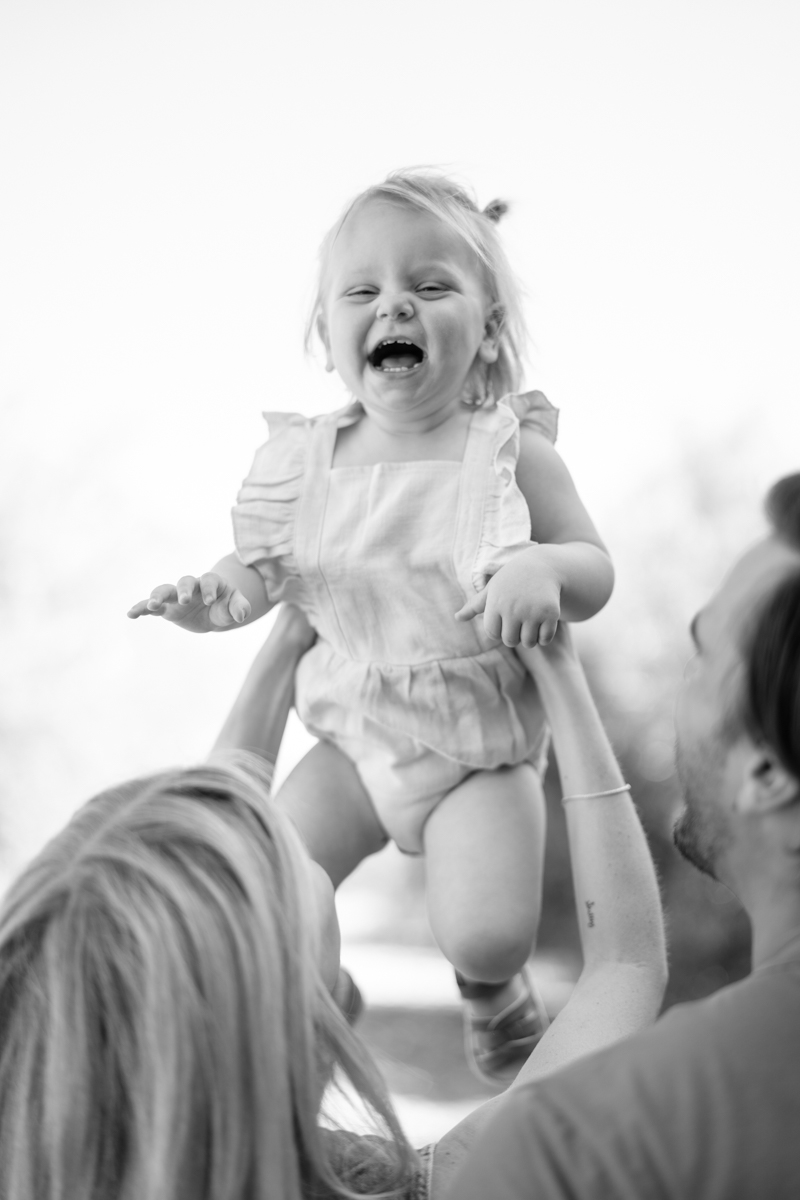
{"x":400,"y":600}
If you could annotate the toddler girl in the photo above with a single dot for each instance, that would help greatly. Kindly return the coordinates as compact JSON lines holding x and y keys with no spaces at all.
{"x":425,"y":529}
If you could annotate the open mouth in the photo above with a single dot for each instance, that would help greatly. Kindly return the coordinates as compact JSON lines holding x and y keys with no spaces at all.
{"x":397,"y":355}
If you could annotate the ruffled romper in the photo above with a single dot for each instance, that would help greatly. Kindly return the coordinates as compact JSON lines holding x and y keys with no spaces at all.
{"x":380,"y":558}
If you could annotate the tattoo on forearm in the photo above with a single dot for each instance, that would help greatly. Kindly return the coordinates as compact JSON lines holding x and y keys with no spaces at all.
{"x":590,"y":912}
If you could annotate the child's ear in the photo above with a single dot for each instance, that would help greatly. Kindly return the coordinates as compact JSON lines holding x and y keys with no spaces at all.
{"x":766,"y":784}
{"x":489,"y":348}
{"x":322,"y":330}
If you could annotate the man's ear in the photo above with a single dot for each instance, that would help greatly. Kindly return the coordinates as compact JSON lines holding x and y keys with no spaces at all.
{"x":767,"y":786}
{"x":322,"y":331}
{"x":489,"y":350}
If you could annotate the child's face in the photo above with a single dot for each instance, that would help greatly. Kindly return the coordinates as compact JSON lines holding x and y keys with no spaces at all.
{"x":406,"y":314}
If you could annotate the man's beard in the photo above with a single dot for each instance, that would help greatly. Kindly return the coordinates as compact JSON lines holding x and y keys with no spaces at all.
{"x":687,"y":839}
{"x":699,"y":833}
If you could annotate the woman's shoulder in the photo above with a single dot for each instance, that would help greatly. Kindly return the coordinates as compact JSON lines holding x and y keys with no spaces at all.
{"x":367,"y":1164}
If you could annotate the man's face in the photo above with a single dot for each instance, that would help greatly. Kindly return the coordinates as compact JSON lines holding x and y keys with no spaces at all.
{"x":710,"y":741}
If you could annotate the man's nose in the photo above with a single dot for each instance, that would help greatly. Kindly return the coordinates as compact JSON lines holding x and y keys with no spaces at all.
{"x":395,"y":307}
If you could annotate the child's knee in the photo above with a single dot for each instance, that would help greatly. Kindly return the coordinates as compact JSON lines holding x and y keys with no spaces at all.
{"x":489,"y":955}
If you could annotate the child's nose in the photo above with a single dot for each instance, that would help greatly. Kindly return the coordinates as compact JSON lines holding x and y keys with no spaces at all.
{"x":395,"y":307}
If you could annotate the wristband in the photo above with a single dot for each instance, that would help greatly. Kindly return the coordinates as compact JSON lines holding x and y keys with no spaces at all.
{"x":617,"y":791}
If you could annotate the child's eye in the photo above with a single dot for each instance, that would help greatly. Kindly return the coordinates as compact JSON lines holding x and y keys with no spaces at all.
{"x":432,"y":288}
{"x":361,"y":291}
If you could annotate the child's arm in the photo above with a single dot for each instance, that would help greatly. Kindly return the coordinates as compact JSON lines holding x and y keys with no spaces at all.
{"x":229,"y":594}
{"x":567,"y":576}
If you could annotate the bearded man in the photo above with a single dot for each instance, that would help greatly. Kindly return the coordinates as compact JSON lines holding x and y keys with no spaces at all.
{"x":704,"y":1105}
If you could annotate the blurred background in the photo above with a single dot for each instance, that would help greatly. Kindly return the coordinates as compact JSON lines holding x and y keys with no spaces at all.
{"x":168,"y":170}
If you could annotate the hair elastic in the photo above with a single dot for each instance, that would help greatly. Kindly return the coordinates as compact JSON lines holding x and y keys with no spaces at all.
{"x":626,"y":787}
{"x":495,"y":210}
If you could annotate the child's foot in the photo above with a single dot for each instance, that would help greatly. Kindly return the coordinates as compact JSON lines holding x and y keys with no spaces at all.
{"x":348,"y":997}
{"x":502,"y":1025}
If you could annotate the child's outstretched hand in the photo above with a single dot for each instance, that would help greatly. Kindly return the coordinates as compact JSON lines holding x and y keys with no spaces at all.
{"x":521,"y":604}
{"x":200,"y":605}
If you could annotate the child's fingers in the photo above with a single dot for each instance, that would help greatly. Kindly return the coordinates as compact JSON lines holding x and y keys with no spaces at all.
{"x":186,"y":588}
{"x":472,"y":607}
{"x":211,"y":587}
{"x":165,"y":593}
{"x":547,"y":631}
{"x":529,"y":634}
{"x":238,"y":607}
{"x":511,"y":630}
{"x":139,"y":609}
{"x":493,"y":624}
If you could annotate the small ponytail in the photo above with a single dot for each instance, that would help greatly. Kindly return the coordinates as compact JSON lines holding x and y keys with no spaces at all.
{"x":495,"y":210}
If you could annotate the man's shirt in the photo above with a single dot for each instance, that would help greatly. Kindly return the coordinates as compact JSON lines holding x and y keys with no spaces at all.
{"x":704,"y":1105}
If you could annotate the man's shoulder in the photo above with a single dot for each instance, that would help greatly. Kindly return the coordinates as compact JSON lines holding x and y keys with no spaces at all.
{"x":740,"y":1028}
{"x":661,"y":1113}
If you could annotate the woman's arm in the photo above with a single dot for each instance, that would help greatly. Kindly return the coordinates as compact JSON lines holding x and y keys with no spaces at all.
{"x":619,"y":911}
{"x":616,"y":893}
{"x":258,"y":717}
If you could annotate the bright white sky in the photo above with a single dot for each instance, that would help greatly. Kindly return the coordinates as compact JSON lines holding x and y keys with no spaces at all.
{"x":168,"y":170}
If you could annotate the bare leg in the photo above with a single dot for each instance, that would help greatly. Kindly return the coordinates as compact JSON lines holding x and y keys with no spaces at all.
{"x":484,"y":846}
{"x":485,"y":849}
{"x":327,"y":802}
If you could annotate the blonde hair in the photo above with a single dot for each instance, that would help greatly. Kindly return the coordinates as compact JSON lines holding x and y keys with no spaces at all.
{"x":444,"y":198}
{"x":164,"y":1032}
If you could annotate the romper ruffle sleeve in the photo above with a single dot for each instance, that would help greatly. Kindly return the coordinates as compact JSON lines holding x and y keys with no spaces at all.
{"x":266,"y":507}
{"x":506,"y":521}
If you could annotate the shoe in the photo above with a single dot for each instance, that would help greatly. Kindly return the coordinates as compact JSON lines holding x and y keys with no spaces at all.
{"x":348,"y":997}
{"x":497,"y":1046}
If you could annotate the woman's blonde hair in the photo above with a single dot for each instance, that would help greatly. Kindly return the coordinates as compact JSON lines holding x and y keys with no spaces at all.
{"x":164,"y":1031}
{"x":433,"y":192}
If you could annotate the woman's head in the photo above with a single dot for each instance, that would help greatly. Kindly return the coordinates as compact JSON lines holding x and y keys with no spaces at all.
{"x":360,"y":264}
{"x":165,"y":1030}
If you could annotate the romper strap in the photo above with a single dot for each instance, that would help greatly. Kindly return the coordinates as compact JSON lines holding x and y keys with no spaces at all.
{"x":475,"y":476}
{"x":314,"y":494}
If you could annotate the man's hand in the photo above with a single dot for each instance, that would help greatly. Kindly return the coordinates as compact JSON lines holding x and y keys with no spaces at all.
{"x":521,"y":604}
{"x":200,"y":605}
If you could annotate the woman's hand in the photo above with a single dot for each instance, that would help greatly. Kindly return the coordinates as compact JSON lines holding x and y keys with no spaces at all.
{"x":521,"y":604}
{"x":293,"y":629}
